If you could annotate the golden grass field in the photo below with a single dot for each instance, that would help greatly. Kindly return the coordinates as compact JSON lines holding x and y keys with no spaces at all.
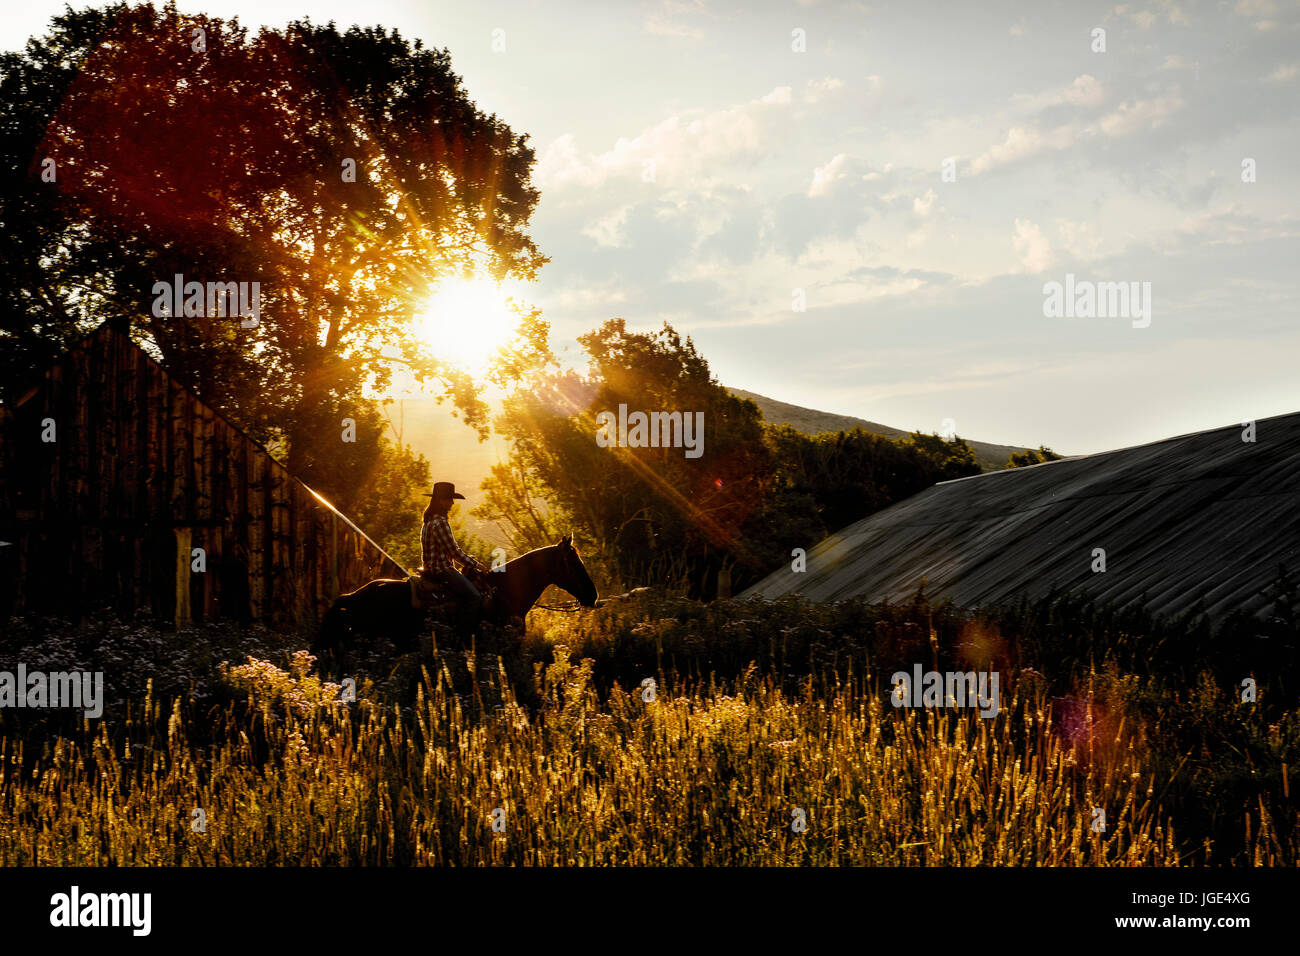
{"x":711,"y":772}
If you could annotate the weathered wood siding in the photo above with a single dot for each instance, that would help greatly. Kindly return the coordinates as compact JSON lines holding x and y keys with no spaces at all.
{"x":139,"y":473}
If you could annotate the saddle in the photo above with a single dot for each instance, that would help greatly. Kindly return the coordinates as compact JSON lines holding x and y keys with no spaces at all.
{"x":429,"y":595}
{"x":426,"y":594}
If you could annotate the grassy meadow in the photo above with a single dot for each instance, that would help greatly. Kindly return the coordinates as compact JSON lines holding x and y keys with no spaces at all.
{"x":764,"y":716}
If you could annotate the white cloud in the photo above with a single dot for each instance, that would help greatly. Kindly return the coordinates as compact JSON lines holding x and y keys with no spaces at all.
{"x":1255,"y":8}
{"x":581,"y":298}
{"x":1140,"y":114}
{"x":1259,"y":10}
{"x":1173,"y":12}
{"x":924,"y":205}
{"x":1086,"y":90}
{"x":1027,"y":141}
{"x":818,"y":90}
{"x":1034,"y":249}
{"x":1145,"y":19}
{"x":561,"y":165}
{"x":665,"y":19}
{"x":1021,"y":143}
{"x":607,"y":230}
{"x":698,"y":144}
{"x":1079,"y":239}
{"x":1233,"y":224}
{"x":825,"y":177}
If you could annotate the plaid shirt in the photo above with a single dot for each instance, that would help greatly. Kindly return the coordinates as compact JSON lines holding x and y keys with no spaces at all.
{"x":439,"y":548}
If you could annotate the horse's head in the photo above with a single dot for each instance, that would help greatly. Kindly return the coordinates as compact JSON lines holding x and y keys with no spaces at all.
{"x":571,"y":574}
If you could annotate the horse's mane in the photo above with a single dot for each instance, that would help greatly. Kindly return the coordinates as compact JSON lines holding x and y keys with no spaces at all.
{"x":549,"y":547}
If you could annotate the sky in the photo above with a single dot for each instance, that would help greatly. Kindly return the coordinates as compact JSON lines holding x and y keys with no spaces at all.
{"x":858,"y":207}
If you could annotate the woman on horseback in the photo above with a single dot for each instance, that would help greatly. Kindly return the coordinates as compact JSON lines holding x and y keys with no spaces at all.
{"x":439,"y":549}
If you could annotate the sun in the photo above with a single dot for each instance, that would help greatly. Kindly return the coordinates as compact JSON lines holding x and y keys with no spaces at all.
{"x":466,"y":321}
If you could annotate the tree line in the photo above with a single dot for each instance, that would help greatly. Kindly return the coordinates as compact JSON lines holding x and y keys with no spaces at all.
{"x":652,"y":515}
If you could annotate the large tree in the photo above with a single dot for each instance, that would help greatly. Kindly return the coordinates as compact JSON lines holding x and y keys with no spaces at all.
{"x":649,"y":513}
{"x":348,"y":173}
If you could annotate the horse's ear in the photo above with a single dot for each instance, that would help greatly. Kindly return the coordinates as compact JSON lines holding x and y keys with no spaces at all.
{"x":567,"y":539}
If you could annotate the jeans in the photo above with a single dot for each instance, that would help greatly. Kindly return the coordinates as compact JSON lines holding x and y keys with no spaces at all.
{"x":468,"y":598}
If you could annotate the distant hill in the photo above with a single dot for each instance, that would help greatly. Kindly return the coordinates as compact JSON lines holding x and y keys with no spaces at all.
{"x":455,"y":454}
{"x":811,"y":422}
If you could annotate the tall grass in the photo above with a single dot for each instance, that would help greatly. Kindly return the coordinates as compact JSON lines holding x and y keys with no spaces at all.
{"x":711,"y":772}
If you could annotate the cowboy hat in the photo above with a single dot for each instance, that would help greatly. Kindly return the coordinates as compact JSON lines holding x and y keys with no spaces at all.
{"x":443,"y":489}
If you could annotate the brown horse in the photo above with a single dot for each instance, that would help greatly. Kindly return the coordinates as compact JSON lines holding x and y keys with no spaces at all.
{"x":383,"y":607}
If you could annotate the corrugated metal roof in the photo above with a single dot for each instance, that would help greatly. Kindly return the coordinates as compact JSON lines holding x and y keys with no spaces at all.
{"x":1202,"y":516}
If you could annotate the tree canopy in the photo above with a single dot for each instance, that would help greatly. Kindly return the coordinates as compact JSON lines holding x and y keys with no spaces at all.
{"x":1031,"y":457}
{"x":348,"y":173}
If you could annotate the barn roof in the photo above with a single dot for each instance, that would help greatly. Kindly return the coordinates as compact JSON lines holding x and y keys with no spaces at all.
{"x":1202,"y":517}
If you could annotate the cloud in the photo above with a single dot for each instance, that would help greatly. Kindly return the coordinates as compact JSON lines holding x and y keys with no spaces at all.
{"x":561,"y":165}
{"x":1173,"y":13}
{"x":924,"y":205}
{"x":1084,"y":91}
{"x":607,"y":230}
{"x":818,"y":90}
{"x":1232,"y":225}
{"x":1079,"y":239}
{"x":1258,"y":10}
{"x":1021,"y":143}
{"x":1030,"y":137}
{"x":588,"y":296}
{"x":1145,"y":19}
{"x":1027,"y":141}
{"x":1034,"y":249}
{"x":665,"y":19}
{"x":1140,"y":114}
{"x":697,"y":144}
{"x":825,"y":177}
{"x":1255,"y":8}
